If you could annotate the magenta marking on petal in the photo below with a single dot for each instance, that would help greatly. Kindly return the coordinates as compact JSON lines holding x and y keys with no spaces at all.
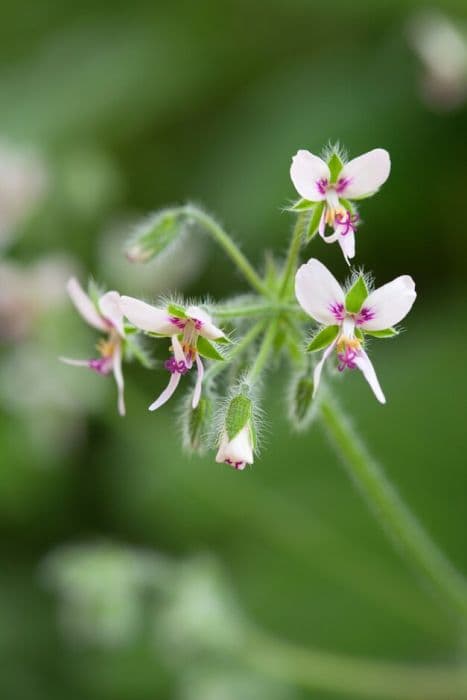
{"x":347,"y":359}
{"x":322,"y":185}
{"x":103,"y":365}
{"x":179,"y":322}
{"x":235,"y":465}
{"x":337,"y":309}
{"x":365,"y":314}
{"x":198,"y":324}
{"x":175,"y":367}
{"x":342,"y":184}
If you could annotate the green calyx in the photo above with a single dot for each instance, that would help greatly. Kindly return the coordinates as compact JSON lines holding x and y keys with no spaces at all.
{"x":239,"y":414}
{"x":323,"y":338}
{"x":356,"y":296}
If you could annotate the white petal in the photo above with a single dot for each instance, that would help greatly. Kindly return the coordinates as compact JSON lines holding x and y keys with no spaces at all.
{"x":388,"y":304}
{"x":306,"y":171}
{"x":208,"y":329}
{"x":118,"y":374}
{"x":364,"y":175}
{"x":363,"y":363}
{"x":319,"y":367}
{"x":237,"y":450}
{"x":199,"y":382}
{"x":178,"y":350}
{"x":146,"y":317}
{"x":317,"y":290}
{"x":110,"y":308}
{"x":167,"y":393}
{"x":85,"y":306}
{"x":347,"y":244}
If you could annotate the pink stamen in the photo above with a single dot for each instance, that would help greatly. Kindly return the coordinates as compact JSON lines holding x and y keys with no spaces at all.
{"x":347,"y":359}
{"x":338,"y":311}
{"x":175,"y":367}
{"x":347,"y":221}
{"x":103,"y":365}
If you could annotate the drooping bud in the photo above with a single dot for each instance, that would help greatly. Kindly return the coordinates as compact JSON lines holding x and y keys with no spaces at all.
{"x":196,"y":424}
{"x":156,"y":234}
{"x":237,"y":439}
{"x":301,"y":405}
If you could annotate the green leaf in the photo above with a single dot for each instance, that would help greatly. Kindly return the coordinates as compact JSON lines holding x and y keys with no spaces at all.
{"x":313,"y":224}
{"x":323,"y":338}
{"x":206,"y":349}
{"x":356,"y":296}
{"x":176,"y":310}
{"x":335,"y":166}
{"x":302,"y":205}
{"x":238,"y":415}
{"x":155,"y":234}
{"x":385,"y":333}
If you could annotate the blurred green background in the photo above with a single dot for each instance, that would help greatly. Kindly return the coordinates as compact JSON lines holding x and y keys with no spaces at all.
{"x":109,"y":110}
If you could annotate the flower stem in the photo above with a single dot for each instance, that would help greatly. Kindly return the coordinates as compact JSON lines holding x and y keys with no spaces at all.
{"x":364,"y":678}
{"x":253,"y":310}
{"x":232,"y":250}
{"x":237,"y":350}
{"x":395,"y":517}
{"x":292,"y":255}
{"x":263,"y":353}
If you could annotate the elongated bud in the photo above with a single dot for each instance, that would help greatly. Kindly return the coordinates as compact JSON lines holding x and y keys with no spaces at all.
{"x":196,"y":424}
{"x":156,"y":234}
{"x":237,"y":439}
{"x":301,"y":405}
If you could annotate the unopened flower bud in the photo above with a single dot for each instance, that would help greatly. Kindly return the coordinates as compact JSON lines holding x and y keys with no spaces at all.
{"x":237,"y":440}
{"x":196,"y":424}
{"x":156,"y":234}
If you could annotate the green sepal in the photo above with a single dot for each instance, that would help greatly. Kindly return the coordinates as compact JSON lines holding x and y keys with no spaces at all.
{"x":313,"y":224}
{"x":385,"y":333}
{"x":356,"y":296}
{"x":359,"y":334}
{"x":335,"y":165}
{"x":239,"y":413}
{"x":206,"y":349}
{"x":155,"y":234}
{"x":253,"y":435}
{"x":176,"y":310}
{"x":133,"y":350}
{"x":223,"y":340}
{"x":323,"y":338}
{"x":302,"y":205}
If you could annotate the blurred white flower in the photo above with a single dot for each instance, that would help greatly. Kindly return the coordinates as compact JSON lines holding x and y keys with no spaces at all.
{"x":441,"y":46}
{"x":27,"y":291}
{"x":23,"y":183}
{"x":218,"y":683}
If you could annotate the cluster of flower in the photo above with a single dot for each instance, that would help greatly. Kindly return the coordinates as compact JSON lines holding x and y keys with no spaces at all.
{"x":329,"y":188}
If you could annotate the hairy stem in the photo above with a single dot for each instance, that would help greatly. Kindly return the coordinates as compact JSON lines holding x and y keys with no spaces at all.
{"x":263,"y":353}
{"x":394,"y":516}
{"x":362,"y":678}
{"x":253,"y":310}
{"x":232,"y":250}
{"x":292,"y":255}
{"x":236,"y":351}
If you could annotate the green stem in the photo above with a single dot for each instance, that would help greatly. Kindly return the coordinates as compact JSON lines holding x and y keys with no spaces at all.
{"x":253,"y":310}
{"x":232,"y":250}
{"x":292,"y":255}
{"x":391,"y":511}
{"x":363,"y":678}
{"x":263,"y":353}
{"x":237,"y":350}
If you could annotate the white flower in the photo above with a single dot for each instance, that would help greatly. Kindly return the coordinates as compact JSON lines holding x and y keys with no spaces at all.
{"x":346,"y":317}
{"x":107,"y":317}
{"x":184,"y":327}
{"x":357,"y":179}
{"x":237,"y":452}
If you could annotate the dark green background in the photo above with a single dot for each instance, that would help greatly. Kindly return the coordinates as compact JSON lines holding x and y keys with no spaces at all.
{"x":139,"y":105}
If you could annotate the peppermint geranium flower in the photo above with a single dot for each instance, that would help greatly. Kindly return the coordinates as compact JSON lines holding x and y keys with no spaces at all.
{"x":347,"y":318}
{"x":191,"y":331}
{"x":330,"y":187}
{"x":105,"y":316}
